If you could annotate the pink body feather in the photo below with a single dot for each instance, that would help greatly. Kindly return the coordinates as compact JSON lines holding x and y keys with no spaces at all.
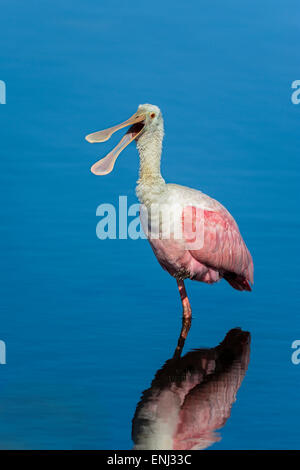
{"x":223,"y":253}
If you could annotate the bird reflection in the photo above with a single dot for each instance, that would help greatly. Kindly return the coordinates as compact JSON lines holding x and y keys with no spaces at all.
{"x":191,"y":396}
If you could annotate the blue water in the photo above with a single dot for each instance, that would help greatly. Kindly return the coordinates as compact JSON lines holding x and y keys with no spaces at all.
{"x":87,"y":323}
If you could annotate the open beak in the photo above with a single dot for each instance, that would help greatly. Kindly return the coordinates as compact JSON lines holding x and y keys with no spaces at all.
{"x":106,"y":164}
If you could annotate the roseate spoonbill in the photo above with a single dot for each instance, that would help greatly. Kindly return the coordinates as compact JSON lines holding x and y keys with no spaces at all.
{"x":191,"y":396}
{"x":220,"y":251}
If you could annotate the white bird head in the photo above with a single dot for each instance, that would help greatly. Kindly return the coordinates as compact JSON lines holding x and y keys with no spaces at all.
{"x":147,"y":119}
{"x":153,"y":115}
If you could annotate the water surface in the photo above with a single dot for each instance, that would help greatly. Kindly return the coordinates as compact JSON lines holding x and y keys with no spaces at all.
{"x":87,"y":323}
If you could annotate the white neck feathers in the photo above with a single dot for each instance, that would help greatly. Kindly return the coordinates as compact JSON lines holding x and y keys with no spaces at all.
{"x":150,"y":146}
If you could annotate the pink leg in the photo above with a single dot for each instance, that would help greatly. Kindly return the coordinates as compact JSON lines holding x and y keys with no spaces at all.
{"x":186,"y":319}
{"x":187,"y":311}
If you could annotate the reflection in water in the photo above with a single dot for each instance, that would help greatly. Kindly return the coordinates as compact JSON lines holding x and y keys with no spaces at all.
{"x":191,"y":396}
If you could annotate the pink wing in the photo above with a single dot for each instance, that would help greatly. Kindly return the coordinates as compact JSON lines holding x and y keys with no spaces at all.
{"x":222,"y":246}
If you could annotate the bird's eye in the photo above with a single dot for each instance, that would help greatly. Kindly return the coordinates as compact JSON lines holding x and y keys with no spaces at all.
{"x":152,"y":115}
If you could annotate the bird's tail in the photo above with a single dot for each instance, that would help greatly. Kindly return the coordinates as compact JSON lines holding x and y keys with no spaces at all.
{"x":237,"y":281}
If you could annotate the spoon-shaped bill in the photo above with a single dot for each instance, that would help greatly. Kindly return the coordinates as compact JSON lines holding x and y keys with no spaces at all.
{"x":106,"y":164}
{"x":102,"y":136}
